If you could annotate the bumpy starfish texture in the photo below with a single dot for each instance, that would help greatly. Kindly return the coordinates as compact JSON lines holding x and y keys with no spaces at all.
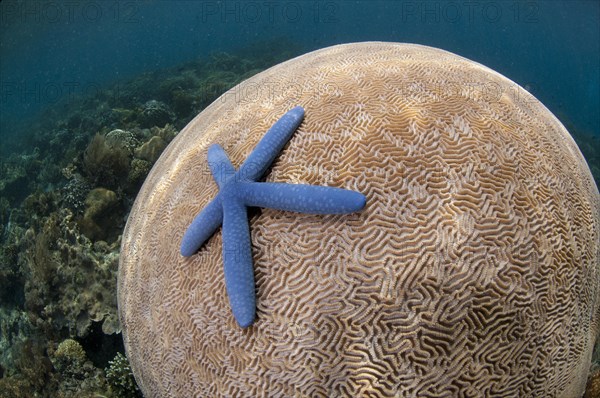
{"x":238,"y":190}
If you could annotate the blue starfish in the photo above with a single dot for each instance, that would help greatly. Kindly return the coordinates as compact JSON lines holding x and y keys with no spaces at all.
{"x":239,"y":189}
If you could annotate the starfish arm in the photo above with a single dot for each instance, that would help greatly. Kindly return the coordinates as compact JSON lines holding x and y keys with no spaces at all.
{"x":220,"y":165}
{"x":202,"y":227}
{"x":301,"y":198}
{"x":237,"y":260}
{"x":269,"y":147}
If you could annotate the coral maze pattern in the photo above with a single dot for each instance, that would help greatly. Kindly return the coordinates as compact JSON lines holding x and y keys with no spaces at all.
{"x":473,"y":271}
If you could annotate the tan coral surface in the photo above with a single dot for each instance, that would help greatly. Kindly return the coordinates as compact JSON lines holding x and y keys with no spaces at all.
{"x":472,"y":272}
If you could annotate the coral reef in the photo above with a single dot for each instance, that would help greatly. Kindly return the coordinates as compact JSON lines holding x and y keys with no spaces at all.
{"x":69,"y":357}
{"x":120,"y":378}
{"x":14,"y":180}
{"x":15,"y":328}
{"x":57,"y":283}
{"x":70,"y":281}
{"x":61,"y":211}
{"x":17,"y":175}
{"x":78,"y":376}
{"x":137,"y":173}
{"x":75,"y":192}
{"x":11,"y":274}
{"x":155,"y":113}
{"x":101,"y":218}
{"x":31,"y":372}
{"x":106,"y":161}
{"x":122,"y":139}
{"x":151,"y":149}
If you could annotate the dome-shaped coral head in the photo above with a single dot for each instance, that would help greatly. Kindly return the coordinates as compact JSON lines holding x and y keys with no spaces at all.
{"x":472,"y":271}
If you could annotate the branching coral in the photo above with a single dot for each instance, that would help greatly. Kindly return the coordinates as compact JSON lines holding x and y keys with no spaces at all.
{"x":74,"y":194}
{"x":120,"y":377}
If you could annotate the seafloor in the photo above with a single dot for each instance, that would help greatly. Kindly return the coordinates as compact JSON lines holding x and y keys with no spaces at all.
{"x":65,"y":193}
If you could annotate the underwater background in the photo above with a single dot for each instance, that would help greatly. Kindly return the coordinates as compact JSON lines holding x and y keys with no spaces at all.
{"x":91,"y":92}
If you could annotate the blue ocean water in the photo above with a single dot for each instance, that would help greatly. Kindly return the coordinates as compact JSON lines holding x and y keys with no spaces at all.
{"x":53,"y":49}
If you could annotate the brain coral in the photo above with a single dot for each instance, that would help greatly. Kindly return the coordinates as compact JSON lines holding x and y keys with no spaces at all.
{"x":473,"y":270}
